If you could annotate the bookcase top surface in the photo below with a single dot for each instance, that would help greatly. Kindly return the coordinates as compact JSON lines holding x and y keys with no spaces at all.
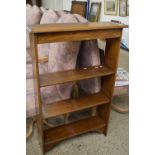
{"x":66,"y":27}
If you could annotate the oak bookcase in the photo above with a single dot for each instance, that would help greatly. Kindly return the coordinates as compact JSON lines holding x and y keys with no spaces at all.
{"x":99,"y":102}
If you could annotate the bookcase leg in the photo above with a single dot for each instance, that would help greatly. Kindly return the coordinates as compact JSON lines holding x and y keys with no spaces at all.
{"x":49,"y":147}
{"x":104,"y":113}
{"x":36,"y":82}
{"x":111,"y":56}
{"x":40,"y":136}
{"x":101,"y":130}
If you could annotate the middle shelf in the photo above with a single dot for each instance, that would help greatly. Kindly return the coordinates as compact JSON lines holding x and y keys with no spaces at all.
{"x":74,"y":75}
{"x":72,"y":105}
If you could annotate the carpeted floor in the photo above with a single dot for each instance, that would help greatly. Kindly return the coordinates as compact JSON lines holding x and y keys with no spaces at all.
{"x":115,"y":143}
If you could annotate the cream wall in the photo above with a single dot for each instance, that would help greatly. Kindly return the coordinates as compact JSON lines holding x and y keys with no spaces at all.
{"x":125,"y":20}
{"x":66,"y":5}
{"x":53,"y":4}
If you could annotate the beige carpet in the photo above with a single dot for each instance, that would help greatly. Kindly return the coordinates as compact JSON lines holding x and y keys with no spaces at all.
{"x":115,"y":143}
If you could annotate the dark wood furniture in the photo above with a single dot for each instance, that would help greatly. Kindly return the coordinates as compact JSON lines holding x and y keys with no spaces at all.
{"x":34,"y":2}
{"x":79,"y":7}
{"x":100,"y":103}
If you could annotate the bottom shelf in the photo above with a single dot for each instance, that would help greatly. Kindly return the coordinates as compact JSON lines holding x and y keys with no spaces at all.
{"x":56,"y":134}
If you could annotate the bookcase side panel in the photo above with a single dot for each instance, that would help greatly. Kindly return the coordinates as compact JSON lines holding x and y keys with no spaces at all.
{"x":111,"y":58}
{"x":36,"y":81}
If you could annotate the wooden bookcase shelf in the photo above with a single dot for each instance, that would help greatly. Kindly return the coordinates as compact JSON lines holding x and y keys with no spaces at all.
{"x":99,"y":103}
{"x":74,"y":75}
{"x":71,"y":105}
{"x":57,"y":134}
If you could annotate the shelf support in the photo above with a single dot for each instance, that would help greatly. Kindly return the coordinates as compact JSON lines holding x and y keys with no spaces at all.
{"x":111,"y":58}
{"x":36,"y":81}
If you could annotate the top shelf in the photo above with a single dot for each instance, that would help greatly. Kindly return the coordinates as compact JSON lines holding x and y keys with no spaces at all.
{"x":67,"y":27}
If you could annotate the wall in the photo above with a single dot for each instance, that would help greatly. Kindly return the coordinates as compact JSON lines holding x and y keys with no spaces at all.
{"x":53,"y":4}
{"x":125,"y":20}
{"x":66,"y":5}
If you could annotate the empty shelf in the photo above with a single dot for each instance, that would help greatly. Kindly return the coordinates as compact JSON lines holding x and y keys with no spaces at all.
{"x":56,"y":134}
{"x":71,"y":105}
{"x":74,"y":75}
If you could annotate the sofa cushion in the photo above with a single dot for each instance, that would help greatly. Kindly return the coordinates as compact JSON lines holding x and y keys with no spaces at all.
{"x":61,"y":13}
{"x":88,"y":56}
{"x":33,"y":16}
{"x":62,"y":56}
{"x":49,"y":17}
{"x":30,"y":101}
{"x":43,"y":9}
{"x":80,"y":18}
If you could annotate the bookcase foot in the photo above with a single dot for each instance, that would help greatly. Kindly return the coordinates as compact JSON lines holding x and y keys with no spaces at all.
{"x":48,"y":147}
{"x":105,"y":131}
{"x":101,"y":130}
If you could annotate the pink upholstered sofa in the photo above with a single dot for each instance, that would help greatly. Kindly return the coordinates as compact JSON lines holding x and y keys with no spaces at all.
{"x":61,"y":56}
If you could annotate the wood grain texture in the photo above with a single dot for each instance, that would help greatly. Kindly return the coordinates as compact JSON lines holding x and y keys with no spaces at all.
{"x":36,"y":81}
{"x":73,"y":75}
{"x":72,"y":105}
{"x":111,"y":57}
{"x":77,"y":35}
{"x":67,"y":27}
{"x":57,"y":134}
{"x":41,"y":60}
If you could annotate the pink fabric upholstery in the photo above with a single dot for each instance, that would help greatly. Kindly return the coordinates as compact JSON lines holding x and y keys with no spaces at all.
{"x":61,"y":13}
{"x":43,"y":9}
{"x":28,"y":57}
{"x":49,"y":16}
{"x":62,"y":56}
{"x":30,"y":102}
{"x":80,"y":18}
{"x":29,"y":72}
{"x":89,"y":56}
{"x":33,"y":16}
